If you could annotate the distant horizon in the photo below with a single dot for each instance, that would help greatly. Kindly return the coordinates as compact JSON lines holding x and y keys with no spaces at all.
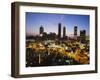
{"x":50,"y":23}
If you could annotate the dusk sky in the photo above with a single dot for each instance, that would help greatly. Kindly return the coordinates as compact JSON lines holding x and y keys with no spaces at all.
{"x":50,"y":22}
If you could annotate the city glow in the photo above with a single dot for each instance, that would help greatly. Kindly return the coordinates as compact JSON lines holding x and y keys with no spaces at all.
{"x":57,"y":39}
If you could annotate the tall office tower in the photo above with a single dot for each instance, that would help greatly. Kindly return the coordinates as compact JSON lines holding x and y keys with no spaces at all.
{"x":41,"y":30}
{"x":64,"y":31}
{"x":59,"y":30}
{"x":82,"y":32}
{"x":82,"y":36}
{"x":75,"y":30}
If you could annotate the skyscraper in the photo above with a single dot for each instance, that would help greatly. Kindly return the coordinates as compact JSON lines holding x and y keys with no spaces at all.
{"x":82,"y":33}
{"x":64,"y":31}
{"x":41,"y":30}
{"x":59,"y":30}
{"x":75,"y":30}
{"x":83,"y":36}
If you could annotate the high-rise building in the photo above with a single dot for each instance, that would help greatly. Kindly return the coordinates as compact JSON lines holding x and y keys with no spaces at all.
{"x":41,"y":30}
{"x":59,"y":30}
{"x":82,"y":33}
{"x":75,"y":30}
{"x":64,"y":31}
{"x":83,"y":36}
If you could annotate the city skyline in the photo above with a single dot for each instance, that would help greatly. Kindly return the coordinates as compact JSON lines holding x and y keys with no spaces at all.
{"x":50,"y":23}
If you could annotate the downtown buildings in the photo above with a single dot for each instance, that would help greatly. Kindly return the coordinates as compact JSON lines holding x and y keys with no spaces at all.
{"x":50,"y":49}
{"x":62,"y":34}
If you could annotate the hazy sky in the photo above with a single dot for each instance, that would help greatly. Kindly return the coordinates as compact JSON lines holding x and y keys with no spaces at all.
{"x":50,"y":22}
